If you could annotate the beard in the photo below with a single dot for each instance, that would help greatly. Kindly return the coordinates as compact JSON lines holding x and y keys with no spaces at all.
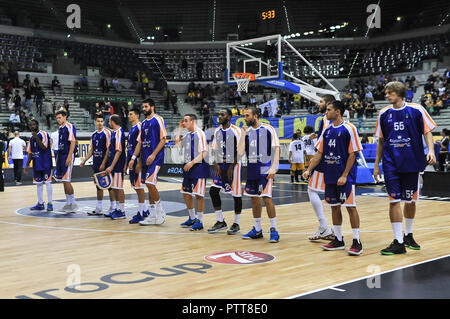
{"x":250,"y":122}
{"x":147,"y":113}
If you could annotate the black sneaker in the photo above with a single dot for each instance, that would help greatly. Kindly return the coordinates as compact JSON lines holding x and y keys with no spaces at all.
{"x":335,"y":244}
{"x":218,"y":226}
{"x":234,"y":229}
{"x":394,"y":248}
{"x":356,"y":248}
{"x":410,"y":242}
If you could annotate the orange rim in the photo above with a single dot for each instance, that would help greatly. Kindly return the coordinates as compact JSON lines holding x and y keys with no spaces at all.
{"x":249,"y":76}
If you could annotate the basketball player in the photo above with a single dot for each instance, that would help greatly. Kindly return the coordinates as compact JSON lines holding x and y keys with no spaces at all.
{"x":316,"y":183}
{"x":99,"y":148}
{"x":67,"y":147}
{"x":400,"y":127}
{"x":296,"y":157}
{"x":310,"y":139}
{"x":260,"y":142}
{"x":134,"y":147}
{"x":338,"y":146}
{"x":116,"y":168}
{"x":39,"y":151}
{"x":227,"y":176}
{"x":152,"y":139}
{"x":195,"y":170}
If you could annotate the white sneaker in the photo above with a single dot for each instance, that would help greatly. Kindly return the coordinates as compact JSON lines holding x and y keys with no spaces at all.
{"x":66,"y":208}
{"x":149,"y":220}
{"x":160,"y":211}
{"x":322,"y":233}
{"x":96,"y":212}
{"x":73,"y":208}
{"x":160,"y":219}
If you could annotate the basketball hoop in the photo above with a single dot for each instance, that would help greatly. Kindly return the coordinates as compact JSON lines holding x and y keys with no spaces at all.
{"x":242,"y":80}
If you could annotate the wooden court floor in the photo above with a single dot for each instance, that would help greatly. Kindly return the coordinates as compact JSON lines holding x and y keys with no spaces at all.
{"x":41,"y":257}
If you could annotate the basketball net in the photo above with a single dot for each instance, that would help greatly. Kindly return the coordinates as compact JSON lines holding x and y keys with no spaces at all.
{"x":242,"y":81}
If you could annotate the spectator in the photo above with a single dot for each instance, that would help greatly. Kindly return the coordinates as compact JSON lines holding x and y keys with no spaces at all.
{"x":199,"y":69}
{"x":48,"y":111}
{"x":27,"y":95}
{"x":278,"y":113}
{"x":66,"y":106}
{"x":359,"y":109}
{"x":13,"y":74}
{"x":39,"y":95}
{"x":441,"y":89}
{"x":57,"y":85}
{"x":17,"y":101}
{"x":3,"y":72}
{"x":104,"y":85}
{"x":115,"y":84}
{"x":370,"y":109}
{"x":369,"y":96}
{"x":123,"y":113}
{"x":145,"y":87}
{"x":138,"y":82}
{"x":34,"y":86}
{"x":16,"y":148}
{"x":438,"y":106}
{"x":365,"y":138}
{"x":173,"y":101}
{"x":266,"y":112}
{"x":235,"y":111}
{"x":205,"y":111}
{"x":7,"y":90}
{"x":443,"y":153}
{"x":106,"y":110}
{"x":26,"y":81}
{"x":24,"y":121}
{"x":84,"y":83}
{"x":14,"y":120}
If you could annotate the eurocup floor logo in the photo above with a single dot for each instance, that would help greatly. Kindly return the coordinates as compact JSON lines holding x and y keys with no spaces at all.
{"x":239,"y":257}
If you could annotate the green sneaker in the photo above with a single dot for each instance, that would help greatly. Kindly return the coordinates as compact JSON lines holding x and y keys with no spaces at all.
{"x":410,"y":242}
{"x":394,"y":248}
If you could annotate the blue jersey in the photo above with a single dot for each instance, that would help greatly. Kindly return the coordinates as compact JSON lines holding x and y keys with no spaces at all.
{"x":402,"y":130}
{"x":225,"y":143}
{"x":336,"y":143}
{"x":133,"y":137}
{"x":117,"y":144}
{"x":153,"y":130}
{"x":66,"y":134}
{"x":193,"y":144}
{"x":100,"y":142}
{"x":42,"y":160}
{"x":259,"y":146}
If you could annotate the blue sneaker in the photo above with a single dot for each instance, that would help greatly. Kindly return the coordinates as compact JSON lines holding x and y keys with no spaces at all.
{"x":198,"y":225}
{"x":145,"y":214}
{"x":38,"y":207}
{"x":253,"y":234}
{"x":274,"y":237}
{"x":187,"y":223}
{"x":136,"y":218}
{"x":49,"y":207}
{"x":118,"y":215}
{"x":110,"y":214}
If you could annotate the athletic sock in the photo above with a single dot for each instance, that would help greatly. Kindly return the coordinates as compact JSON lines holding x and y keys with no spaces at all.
{"x":49,"y":192}
{"x":257,"y":224}
{"x":122,"y":207}
{"x":219,"y":215}
{"x":273,"y":222}
{"x":141,"y":207}
{"x":355,"y":233}
{"x":152,"y":210}
{"x":67,"y":199}
{"x":99,"y":204}
{"x":200,"y":216}
{"x":40,"y":193}
{"x":408,"y":225}
{"x":72,"y":199}
{"x":317,"y":207}
{"x":397,"y":228}
{"x":237,"y":218}
{"x":338,"y":231}
{"x":192,"y":213}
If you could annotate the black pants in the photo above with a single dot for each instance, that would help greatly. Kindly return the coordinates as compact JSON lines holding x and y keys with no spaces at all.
{"x":441,"y":158}
{"x":18,"y":165}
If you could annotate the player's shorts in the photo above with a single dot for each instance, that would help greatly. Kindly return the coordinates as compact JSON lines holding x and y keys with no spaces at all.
{"x":316,"y":182}
{"x":261,"y":187}
{"x":42,"y":177}
{"x":297,"y":166}
{"x":117,"y":182}
{"x":340,"y":195}
{"x":233,"y":187}
{"x":63,"y":173}
{"x":135,"y":178}
{"x":308,"y":159}
{"x":194,"y":186}
{"x":402,"y":186}
{"x":150,"y":174}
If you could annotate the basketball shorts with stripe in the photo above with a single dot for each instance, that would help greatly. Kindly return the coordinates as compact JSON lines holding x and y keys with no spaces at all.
{"x":261,"y":187}
{"x":149,"y":174}
{"x":194,"y":186}
{"x":402,"y":186}
{"x":63,"y":173}
{"x":316,"y":182}
{"x":232,"y":187}
{"x":344,"y":195}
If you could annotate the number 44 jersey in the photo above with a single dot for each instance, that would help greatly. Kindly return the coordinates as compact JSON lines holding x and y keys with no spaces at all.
{"x":402,"y":129}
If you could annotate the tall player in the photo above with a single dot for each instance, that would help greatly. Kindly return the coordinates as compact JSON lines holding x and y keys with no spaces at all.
{"x":400,"y":129}
{"x":99,"y":149}
{"x":67,"y":147}
{"x":116,"y":168}
{"x":316,"y":183}
{"x":152,"y":139}
{"x":296,"y":157}
{"x":260,"y":143}
{"x":227,"y":177}
{"x":195,"y":170}
{"x":338,"y":146}
{"x":134,"y":163}
{"x":39,"y":151}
